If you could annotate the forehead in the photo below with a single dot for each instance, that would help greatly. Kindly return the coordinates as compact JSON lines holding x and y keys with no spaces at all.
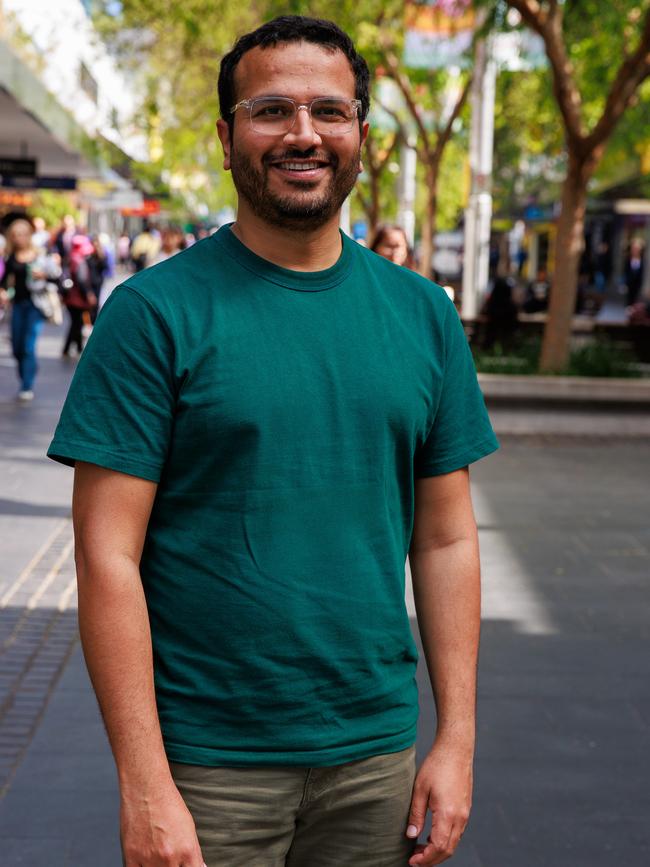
{"x":393,"y":236}
{"x":301,"y":70}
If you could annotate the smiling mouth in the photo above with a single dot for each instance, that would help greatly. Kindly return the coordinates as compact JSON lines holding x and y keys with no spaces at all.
{"x":300,"y":165}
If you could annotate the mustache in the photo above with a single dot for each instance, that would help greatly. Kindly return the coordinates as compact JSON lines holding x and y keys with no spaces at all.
{"x":311,"y":154}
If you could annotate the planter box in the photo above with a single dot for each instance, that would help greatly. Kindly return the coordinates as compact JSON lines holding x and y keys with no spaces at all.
{"x":564,"y":389}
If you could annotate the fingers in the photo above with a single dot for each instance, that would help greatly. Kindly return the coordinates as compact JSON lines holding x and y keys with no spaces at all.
{"x":441,"y":845}
{"x":436,"y":851}
{"x":417,"y":812}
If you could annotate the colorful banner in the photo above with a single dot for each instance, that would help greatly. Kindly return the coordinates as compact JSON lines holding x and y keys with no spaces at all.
{"x":438,"y":33}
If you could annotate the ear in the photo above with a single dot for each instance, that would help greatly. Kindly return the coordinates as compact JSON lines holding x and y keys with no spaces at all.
{"x":223,"y":131}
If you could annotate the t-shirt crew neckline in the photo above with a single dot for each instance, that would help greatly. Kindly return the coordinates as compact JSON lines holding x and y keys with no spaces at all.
{"x":301,"y":281}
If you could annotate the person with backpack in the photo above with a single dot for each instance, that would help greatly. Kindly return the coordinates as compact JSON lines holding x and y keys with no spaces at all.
{"x":80,"y":298}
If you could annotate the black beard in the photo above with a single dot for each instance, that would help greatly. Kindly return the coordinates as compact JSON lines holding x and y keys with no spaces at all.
{"x":291,"y":211}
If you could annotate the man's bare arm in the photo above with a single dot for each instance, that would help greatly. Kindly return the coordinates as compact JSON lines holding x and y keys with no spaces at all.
{"x":446,"y":586}
{"x":110,"y":512}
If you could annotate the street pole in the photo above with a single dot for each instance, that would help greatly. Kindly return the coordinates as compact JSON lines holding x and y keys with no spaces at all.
{"x":478,"y":214}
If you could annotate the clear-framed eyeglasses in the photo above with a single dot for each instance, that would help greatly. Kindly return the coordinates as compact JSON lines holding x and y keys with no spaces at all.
{"x":276,"y":115}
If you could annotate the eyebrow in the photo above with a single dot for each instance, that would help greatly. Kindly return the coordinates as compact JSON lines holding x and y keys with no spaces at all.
{"x":284,"y":96}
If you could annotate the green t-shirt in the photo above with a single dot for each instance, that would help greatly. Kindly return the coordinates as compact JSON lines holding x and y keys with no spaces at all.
{"x":285,"y":416}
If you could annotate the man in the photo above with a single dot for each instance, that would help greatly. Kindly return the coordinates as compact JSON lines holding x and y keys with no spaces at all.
{"x":279,"y":418}
{"x":633,"y":271}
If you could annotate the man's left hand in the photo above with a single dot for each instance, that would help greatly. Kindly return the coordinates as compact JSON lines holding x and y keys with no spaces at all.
{"x":443,"y":785}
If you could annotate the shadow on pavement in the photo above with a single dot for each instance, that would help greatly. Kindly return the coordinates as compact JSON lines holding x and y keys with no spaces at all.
{"x":16,"y":507}
{"x":563,"y":751}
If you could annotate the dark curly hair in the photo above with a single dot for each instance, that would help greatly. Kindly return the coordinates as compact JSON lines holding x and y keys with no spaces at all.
{"x":293,"y":28}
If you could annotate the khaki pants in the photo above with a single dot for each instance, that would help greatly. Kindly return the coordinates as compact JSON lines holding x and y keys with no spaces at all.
{"x":351,"y":815}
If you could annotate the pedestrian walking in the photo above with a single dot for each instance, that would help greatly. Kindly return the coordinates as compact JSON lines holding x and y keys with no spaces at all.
{"x":263,"y":426}
{"x":27,"y":270}
{"x":80,"y":298}
{"x":100,"y":267}
{"x":538,"y":293}
{"x":42,"y":236}
{"x":633,"y":271}
{"x":123,"y":250}
{"x":602,"y":268}
{"x":501,"y":315}
{"x":62,"y":242}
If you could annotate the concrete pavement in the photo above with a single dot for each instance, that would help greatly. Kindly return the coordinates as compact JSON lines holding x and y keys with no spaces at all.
{"x":564,"y":709}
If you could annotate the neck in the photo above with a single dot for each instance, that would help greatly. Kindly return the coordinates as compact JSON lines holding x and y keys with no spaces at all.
{"x":22,"y":253}
{"x":296,"y":249}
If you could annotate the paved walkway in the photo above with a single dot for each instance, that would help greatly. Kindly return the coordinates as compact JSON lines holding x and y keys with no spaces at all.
{"x":564,"y":719}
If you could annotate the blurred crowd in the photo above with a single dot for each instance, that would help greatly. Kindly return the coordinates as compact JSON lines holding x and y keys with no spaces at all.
{"x":63,"y":275}
{"x":511,"y":297}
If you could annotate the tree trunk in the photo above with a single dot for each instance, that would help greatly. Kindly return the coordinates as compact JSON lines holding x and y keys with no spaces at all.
{"x":375,"y":203}
{"x":371,"y":203}
{"x":568,"y":249}
{"x":429,"y":223}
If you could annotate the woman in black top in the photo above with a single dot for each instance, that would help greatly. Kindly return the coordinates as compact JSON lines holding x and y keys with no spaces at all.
{"x":26,"y":320}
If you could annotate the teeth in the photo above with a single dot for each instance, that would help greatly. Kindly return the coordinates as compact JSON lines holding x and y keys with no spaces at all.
{"x":298,"y":167}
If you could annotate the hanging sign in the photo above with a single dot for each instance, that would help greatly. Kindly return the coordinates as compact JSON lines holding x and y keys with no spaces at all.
{"x":21,"y":167}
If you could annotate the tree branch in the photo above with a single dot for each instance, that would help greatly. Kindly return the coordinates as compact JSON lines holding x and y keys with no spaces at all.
{"x":532,"y":13}
{"x":370,"y":150}
{"x":445,"y":134}
{"x":389,"y":151}
{"x":402,"y":133}
{"x":632,"y":72}
{"x":548,"y":24}
{"x":404,"y":85}
{"x":365,"y":204}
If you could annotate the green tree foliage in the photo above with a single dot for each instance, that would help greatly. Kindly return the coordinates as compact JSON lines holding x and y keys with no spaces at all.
{"x":599,"y":59}
{"x":53,"y":206}
{"x":528,"y":142}
{"x":173,"y":49}
{"x":375,"y":189}
{"x":530,"y":156}
{"x":628,"y":150}
{"x":453,"y":182}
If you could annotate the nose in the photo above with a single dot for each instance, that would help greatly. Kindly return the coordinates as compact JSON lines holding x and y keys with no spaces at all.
{"x":302,"y":134}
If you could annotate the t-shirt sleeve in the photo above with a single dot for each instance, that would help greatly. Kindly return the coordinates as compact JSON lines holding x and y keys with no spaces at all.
{"x":461,"y":432}
{"x":120,"y":407}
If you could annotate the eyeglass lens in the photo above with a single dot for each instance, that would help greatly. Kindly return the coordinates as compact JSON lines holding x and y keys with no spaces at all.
{"x":275,"y":115}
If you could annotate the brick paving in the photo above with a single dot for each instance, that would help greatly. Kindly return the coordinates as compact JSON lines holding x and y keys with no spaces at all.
{"x":38,"y":632}
{"x":564,"y":708}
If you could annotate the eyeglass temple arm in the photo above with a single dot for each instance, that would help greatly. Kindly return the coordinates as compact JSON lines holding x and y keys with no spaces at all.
{"x":243,"y":103}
